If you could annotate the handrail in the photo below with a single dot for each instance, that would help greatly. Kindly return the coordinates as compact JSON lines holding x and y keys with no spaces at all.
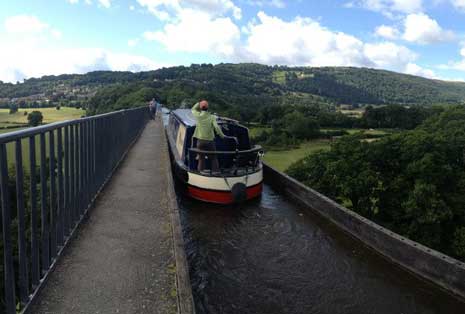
{"x":237,"y":162}
{"x":14,"y":135}
{"x":255,"y":149}
{"x":66,"y":164}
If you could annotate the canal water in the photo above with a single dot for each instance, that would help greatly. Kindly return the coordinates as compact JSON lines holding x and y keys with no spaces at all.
{"x":271,"y":257}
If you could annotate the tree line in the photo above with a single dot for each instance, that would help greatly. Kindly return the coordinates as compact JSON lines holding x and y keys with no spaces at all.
{"x":238,"y":89}
{"x":411,"y":182}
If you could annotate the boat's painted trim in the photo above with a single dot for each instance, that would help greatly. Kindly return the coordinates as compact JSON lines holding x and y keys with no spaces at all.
{"x":223,"y":183}
{"x":221,"y":197}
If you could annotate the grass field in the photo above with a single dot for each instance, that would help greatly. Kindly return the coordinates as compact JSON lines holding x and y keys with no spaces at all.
{"x":357,"y":113}
{"x":50,"y":115}
{"x":365,"y":131}
{"x":281,"y":160}
{"x":279,"y":77}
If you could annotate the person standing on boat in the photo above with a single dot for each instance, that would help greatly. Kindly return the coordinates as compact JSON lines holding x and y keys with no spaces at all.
{"x":205,"y":131}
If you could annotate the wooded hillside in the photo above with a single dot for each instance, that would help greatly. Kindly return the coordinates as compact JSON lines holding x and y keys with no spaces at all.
{"x":237,"y":88}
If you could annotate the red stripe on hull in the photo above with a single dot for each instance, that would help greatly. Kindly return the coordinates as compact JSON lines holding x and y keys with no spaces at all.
{"x":220,"y":197}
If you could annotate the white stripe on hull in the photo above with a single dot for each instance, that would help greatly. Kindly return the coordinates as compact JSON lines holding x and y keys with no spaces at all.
{"x":220,"y":184}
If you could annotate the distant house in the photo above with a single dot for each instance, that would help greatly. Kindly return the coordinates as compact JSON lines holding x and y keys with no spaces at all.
{"x":346,"y":107}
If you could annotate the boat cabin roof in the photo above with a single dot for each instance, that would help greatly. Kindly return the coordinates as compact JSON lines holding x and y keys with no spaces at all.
{"x":185,"y":116}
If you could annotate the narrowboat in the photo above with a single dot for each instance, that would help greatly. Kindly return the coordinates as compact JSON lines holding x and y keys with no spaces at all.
{"x":240,"y":174}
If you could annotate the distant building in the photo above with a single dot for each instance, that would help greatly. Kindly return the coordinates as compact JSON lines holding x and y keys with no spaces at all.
{"x":346,"y":107}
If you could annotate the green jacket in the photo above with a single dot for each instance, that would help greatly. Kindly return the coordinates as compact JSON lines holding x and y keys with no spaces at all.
{"x":206,"y":124}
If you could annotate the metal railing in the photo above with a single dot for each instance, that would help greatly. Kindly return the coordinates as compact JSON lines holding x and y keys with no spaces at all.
{"x":50,"y":176}
{"x":232,"y":162}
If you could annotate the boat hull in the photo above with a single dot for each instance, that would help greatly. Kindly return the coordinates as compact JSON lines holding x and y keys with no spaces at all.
{"x":222,"y":197}
{"x":224,"y":190}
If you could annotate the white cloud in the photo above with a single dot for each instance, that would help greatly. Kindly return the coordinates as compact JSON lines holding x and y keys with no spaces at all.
{"x":56,"y":34}
{"x":389,"y":7}
{"x":303,"y":41}
{"x":103,"y":3}
{"x":29,"y":49}
{"x":133,"y":42}
{"x":417,"y":70}
{"x":459,"y":4}
{"x":421,"y":29}
{"x":150,"y":36}
{"x":388,"y":55}
{"x":268,"y":39}
{"x":215,"y":35}
{"x":387,"y":32}
{"x":407,"y":6}
{"x":29,"y":27}
{"x":456,"y":65}
{"x":15,"y":64}
{"x":280,"y":4}
{"x":25,"y":24}
{"x":167,"y":9}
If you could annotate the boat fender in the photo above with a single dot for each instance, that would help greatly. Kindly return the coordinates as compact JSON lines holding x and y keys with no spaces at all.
{"x":239,"y":192}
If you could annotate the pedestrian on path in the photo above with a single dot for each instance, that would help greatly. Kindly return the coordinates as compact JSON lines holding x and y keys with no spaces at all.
{"x":153,"y":109}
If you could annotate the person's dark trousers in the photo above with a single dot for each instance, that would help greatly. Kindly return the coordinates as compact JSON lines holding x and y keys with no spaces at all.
{"x":207,"y":146}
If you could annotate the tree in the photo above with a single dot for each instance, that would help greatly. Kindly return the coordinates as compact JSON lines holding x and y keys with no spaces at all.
{"x":301,"y":127}
{"x":13,"y":109}
{"x":410,"y":182}
{"x":35,"y":118}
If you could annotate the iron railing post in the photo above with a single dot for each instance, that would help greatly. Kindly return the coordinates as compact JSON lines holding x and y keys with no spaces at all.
{"x":43,"y":208}
{"x":82,"y":155}
{"x":23,"y":281}
{"x":72,"y":177}
{"x":60,"y":194}
{"x":9,"y":280}
{"x":66,"y":197}
{"x":53,"y":196}
{"x":35,"y":264}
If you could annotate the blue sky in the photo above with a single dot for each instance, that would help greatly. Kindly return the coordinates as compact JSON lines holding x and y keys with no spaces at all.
{"x":421,"y":37}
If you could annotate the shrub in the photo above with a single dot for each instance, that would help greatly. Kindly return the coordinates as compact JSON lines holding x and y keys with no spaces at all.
{"x":35,"y":118}
{"x":13,"y":109}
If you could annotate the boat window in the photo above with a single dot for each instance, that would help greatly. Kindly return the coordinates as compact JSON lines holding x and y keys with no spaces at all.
{"x":180,"y":139}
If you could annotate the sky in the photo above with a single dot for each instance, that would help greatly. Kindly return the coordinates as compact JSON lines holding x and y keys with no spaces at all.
{"x":419,"y":37}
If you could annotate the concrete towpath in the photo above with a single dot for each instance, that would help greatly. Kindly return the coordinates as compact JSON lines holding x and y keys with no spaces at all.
{"x":124,"y":258}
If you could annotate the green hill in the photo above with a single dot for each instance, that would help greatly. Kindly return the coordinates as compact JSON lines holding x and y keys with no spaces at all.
{"x":230,"y":86}
{"x":243,"y":87}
